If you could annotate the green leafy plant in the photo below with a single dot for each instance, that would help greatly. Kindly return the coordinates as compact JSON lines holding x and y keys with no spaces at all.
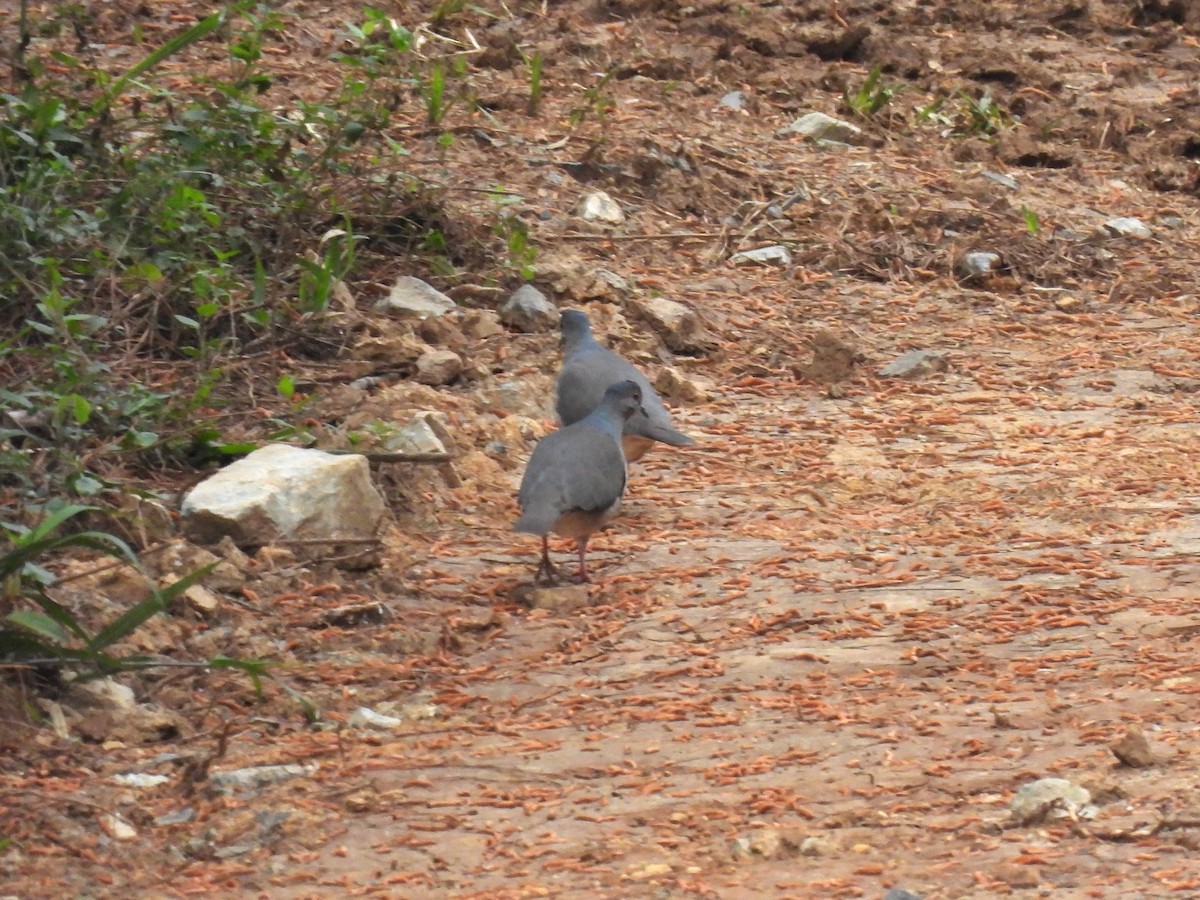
{"x":872,"y":95}
{"x":1032,"y":223}
{"x":522,"y":254}
{"x":319,"y":276}
{"x":444,"y":9}
{"x":48,"y":633}
{"x":595,"y":100}
{"x":533,"y":63}
{"x":983,"y":115}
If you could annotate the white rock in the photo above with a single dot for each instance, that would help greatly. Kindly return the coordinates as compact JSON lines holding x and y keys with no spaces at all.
{"x":391,"y":350}
{"x":734,"y":100}
{"x":819,"y":127}
{"x":256,"y":777}
{"x":104,"y":693}
{"x":201,"y":599}
{"x":528,"y":310}
{"x":139,"y":780}
{"x":281,"y":491}
{"x":979,"y":263}
{"x":673,"y":382}
{"x":438,"y":367}
{"x":419,"y":435}
{"x":365,"y":717}
{"x":599,"y":207}
{"x":915,"y":364}
{"x":775,"y":255}
{"x":413,"y":298}
{"x":480,"y":323}
{"x":1126,"y":226}
{"x":117,"y":828}
{"x":679,"y":326}
{"x":1055,"y":797}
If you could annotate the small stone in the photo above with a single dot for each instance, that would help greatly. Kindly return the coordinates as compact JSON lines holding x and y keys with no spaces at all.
{"x":480,"y":323}
{"x":979,"y":264}
{"x":529,"y":311}
{"x":175,"y":817}
{"x":819,"y":127}
{"x":438,"y":367}
{"x":612,"y":281}
{"x":1055,"y":797}
{"x":1068,"y":303}
{"x":201,"y":599}
{"x":139,"y":780}
{"x":649,"y":870}
{"x":415,"y":299}
{"x":1133,"y":749}
{"x":256,"y":777}
{"x":1005,"y":180}
{"x":900,"y":894}
{"x":734,"y":100}
{"x":363,"y":717}
{"x":775,"y":255}
{"x":766,"y":842}
{"x":418,"y":436}
{"x":678,"y":325}
{"x":556,"y":598}
{"x":1127,"y":226}
{"x":674,"y":382}
{"x":391,"y":352}
{"x":915,"y":364}
{"x":104,"y":693}
{"x":834,"y":359}
{"x":599,"y":207}
{"x":517,"y":396}
{"x":1017,"y":876}
{"x":117,"y":828}
{"x":442,"y":331}
{"x":812,"y":846}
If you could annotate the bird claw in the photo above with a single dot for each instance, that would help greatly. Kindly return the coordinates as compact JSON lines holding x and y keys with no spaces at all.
{"x":549,"y":570}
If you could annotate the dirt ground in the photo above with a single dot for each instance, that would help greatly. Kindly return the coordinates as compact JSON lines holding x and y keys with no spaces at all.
{"x":827,"y":645}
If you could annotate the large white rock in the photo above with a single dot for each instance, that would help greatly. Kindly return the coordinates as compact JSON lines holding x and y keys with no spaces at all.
{"x":289,"y":492}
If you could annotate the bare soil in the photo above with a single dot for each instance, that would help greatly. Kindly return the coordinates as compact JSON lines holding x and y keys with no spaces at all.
{"x":851,"y":622}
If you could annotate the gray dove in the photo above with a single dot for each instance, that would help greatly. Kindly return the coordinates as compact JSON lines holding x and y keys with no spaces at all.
{"x":588,"y":369}
{"x":576,"y":476}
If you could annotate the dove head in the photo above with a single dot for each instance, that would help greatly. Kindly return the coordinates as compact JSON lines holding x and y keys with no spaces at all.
{"x":625,"y":397}
{"x":575,"y":328}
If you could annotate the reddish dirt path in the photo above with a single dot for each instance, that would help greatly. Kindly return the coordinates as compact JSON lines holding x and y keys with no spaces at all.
{"x":996,"y":587}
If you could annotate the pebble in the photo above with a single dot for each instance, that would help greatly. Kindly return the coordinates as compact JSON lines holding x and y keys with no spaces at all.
{"x":915,"y":364}
{"x":413,"y":298}
{"x":734,"y":100}
{"x":438,"y":367}
{"x":775,"y":255}
{"x":1054,"y":797}
{"x":529,"y":311}
{"x":1133,"y":749}
{"x":819,"y":127}
{"x":600,"y":207}
{"x":1127,"y":226}
{"x":979,"y":264}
